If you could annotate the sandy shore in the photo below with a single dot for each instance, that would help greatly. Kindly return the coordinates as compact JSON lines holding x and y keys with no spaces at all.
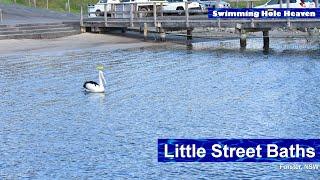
{"x":90,"y":41}
{"x":85,"y":41}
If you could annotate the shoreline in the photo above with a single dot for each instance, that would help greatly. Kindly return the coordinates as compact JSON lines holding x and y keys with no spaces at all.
{"x":80,"y":42}
{"x":97,"y":42}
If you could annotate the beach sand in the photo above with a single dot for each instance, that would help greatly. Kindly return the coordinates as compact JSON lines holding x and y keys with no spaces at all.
{"x":84,"y":41}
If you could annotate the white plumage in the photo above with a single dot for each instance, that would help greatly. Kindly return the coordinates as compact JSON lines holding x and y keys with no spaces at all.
{"x":91,"y":86}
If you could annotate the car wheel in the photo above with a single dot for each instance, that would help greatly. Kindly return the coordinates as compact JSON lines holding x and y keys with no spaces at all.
{"x":144,"y":13}
{"x":180,"y":9}
{"x":98,"y":13}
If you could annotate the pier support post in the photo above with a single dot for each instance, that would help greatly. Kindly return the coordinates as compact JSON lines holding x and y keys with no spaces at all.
{"x":265,"y":40}
{"x":145,"y":31}
{"x":82,"y":28}
{"x":243,"y":39}
{"x":155,"y":14}
{"x":131,"y":15}
{"x":105,"y":16}
{"x":162,"y":34}
{"x":189,"y":37}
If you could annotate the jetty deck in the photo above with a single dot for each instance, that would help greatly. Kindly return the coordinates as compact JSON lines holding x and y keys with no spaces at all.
{"x":127,"y":16}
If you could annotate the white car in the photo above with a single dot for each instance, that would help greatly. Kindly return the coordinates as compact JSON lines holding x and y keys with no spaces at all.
{"x":293,"y":4}
{"x":98,"y":9}
{"x":205,"y":4}
{"x":180,"y":5}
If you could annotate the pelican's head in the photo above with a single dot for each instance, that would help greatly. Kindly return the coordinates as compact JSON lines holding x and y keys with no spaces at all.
{"x":100,"y":67}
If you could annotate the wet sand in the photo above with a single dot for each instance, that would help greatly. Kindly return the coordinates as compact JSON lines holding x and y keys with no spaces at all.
{"x":85,"y":41}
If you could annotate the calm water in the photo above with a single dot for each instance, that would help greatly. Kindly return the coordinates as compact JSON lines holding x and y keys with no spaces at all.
{"x":50,"y":128}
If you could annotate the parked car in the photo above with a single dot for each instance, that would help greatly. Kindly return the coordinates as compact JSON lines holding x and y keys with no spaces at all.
{"x":292,"y":4}
{"x":205,"y":4}
{"x":180,"y":5}
{"x":98,"y":9}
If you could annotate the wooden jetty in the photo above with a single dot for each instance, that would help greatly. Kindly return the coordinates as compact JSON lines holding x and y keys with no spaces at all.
{"x":127,"y":15}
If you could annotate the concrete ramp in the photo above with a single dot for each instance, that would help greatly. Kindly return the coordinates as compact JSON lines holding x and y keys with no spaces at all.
{"x":39,"y":31}
{"x":22,"y":22}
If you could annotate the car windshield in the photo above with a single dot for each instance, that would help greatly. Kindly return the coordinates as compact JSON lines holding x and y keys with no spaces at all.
{"x":103,"y":1}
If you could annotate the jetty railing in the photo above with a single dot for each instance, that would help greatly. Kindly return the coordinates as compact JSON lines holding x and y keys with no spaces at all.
{"x":130,"y":15}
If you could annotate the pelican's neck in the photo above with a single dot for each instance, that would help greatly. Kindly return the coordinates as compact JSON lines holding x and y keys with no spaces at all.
{"x":101,"y":79}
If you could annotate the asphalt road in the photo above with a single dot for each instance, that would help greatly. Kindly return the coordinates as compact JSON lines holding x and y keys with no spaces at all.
{"x":17,"y":14}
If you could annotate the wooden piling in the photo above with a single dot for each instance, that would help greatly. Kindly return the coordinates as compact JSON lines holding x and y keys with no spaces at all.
{"x":161,"y":7}
{"x":187,"y":14}
{"x":131,"y":15}
{"x":123,"y":8}
{"x":105,"y":15}
{"x":155,"y":14}
{"x":189,"y":37}
{"x":81,"y":16}
{"x":243,"y":39}
{"x":265,"y":40}
{"x":145,"y":31}
{"x":162,"y":34}
{"x":112,"y":10}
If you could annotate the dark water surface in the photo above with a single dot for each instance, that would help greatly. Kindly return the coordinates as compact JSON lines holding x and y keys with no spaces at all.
{"x":49,"y":128}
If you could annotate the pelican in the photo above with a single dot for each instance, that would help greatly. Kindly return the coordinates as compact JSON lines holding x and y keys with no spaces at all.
{"x":91,"y":86}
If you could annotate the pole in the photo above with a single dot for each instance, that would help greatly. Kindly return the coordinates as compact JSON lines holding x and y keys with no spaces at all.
{"x":161,"y":5}
{"x":123,"y":13}
{"x":112,"y":10}
{"x":265,"y":40}
{"x":105,"y":15}
{"x":155,"y":14}
{"x":288,"y":20}
{"x":35,"y":3}
{"x":187,"y":14}
{"x":47,"y":4}
{"x":81,"y":16}
{"x":29,"y":2}
{"x":243,"y":39}
{"x":145,"y":31}
{"x":131,"y":15}
{"x":189,"y":37}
